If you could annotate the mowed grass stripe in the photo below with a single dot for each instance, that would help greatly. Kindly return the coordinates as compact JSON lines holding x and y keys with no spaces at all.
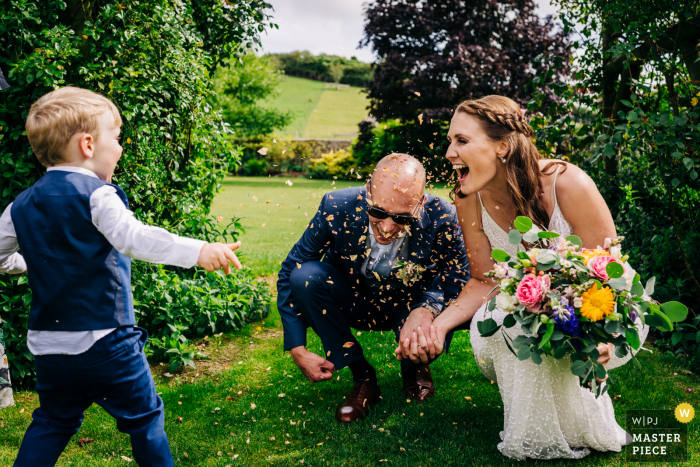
{"x":338,"y":113}
{"x":299,"y":96}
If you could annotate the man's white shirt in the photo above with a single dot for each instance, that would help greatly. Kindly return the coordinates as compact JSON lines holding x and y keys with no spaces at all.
{"x":124,"y":232}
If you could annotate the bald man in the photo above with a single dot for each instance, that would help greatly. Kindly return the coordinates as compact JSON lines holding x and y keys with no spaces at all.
{"x":383,"y":257}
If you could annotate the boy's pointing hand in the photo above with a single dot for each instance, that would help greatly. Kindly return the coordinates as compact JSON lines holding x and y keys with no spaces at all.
{"x":215,"y":256}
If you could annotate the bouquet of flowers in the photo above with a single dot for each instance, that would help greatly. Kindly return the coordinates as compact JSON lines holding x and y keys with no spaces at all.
{"x":569,"y":299}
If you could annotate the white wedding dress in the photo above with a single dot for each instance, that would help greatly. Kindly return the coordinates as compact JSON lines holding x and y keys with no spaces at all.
{"x":547,"y":414}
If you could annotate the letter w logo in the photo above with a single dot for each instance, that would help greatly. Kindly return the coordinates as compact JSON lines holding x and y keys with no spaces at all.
{"x":684,"y":412}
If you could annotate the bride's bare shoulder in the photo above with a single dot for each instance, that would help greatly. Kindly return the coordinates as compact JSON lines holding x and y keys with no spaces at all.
{"x":571,"y":182}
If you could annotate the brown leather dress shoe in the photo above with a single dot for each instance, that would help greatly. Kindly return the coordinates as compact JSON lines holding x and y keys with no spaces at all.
{"x":363,"y":395}
{"x":418,"y":383}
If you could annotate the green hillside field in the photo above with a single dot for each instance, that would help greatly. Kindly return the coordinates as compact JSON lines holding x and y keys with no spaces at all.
{"x":319,"y":113}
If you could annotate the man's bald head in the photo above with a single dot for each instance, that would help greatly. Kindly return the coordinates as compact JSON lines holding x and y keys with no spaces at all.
{"x":397,"y":187}
{"x":401,"y":174}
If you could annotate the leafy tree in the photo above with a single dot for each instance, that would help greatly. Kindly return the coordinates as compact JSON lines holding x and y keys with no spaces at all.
{"x":435,"y":53}
{"x":153,"y":58}
{"x":239,"y":89}
{"x":318,"y":67}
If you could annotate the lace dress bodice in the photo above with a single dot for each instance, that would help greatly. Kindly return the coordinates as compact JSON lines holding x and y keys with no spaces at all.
{"x":575,"y":420}
{"x":498,"y":237}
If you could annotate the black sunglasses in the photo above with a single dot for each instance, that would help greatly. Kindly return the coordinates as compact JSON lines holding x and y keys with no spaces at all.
{"x":401,"y":219}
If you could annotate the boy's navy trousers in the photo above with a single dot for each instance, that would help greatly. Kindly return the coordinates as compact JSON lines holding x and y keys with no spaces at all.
{"x":113,"y":374}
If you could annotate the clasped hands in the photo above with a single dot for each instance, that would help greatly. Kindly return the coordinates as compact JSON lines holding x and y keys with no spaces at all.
{"x":421,"y":339}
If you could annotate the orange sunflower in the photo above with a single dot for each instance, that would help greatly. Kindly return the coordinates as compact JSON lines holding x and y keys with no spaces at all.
{"x":597,"y":303}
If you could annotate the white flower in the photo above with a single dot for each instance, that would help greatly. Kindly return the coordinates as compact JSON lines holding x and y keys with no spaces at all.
{"x":616,"y":252}
{"x":569,"y":291}
{"x":504,"y":283}
{"x":502,"y":270}
{"x":578,"y":302}
{"x":506,"y":302}
{"x":628,"y":275}
{"x":608,"y":242}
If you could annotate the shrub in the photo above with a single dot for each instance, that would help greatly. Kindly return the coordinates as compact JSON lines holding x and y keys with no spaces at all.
{"x":333,"y":165}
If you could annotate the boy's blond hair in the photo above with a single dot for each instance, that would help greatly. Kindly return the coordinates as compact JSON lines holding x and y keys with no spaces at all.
{"x":57,"y":116}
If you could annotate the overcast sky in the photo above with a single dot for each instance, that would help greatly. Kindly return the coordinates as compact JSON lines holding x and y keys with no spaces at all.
{"x":332,"y":27}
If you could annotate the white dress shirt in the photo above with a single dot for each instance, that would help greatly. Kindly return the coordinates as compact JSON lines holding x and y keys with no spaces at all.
{"x":125,"y":233}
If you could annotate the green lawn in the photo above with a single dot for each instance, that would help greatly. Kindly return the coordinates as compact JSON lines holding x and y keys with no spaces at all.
{"x":299,"y":96}
{"x":253,"y":408}
{"x":318,"y":112}
{"x":337,"y":113}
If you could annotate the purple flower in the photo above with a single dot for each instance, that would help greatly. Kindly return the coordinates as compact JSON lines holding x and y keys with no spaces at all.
{"x":632,"y":315}
{"x":568,"y":324}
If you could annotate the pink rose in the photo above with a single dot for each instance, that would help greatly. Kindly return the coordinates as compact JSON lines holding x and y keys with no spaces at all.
{"x":531,"y":290}
{"x":597,"y":266}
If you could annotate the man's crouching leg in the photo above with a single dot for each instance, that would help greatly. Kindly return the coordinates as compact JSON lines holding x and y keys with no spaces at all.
{"x":327,"y":302}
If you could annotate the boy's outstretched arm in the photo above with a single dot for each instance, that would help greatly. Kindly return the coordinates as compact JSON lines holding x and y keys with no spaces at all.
{"x":137,"y":240}
{"x":11,"y":262}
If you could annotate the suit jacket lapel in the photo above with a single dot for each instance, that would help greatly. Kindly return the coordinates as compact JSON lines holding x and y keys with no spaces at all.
{"x":420,"y":240}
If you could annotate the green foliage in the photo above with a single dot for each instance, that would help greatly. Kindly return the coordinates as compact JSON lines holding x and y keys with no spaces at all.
{"x":153,"y":59}
{"x":333,"y":165}
{"x":328,"y":68}
{"x":239,"y":87}
{"x":631,"y":120}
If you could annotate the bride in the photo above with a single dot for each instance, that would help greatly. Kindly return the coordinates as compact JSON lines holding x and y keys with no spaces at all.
{"x":502,"y":176}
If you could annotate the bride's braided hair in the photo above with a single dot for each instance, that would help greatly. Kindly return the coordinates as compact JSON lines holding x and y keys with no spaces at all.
{"x":513,"y":121}
{"x":502,"y":120}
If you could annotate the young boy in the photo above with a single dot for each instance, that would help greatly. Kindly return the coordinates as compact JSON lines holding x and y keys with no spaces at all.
{"x":77,"y":236}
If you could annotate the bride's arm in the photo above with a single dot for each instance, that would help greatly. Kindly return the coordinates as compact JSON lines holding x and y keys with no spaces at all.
{"x":584,"y":207}
{"x":473,"y":295}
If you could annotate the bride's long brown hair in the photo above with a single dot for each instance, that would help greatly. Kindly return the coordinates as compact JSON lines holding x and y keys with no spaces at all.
{"x":502,"y":120}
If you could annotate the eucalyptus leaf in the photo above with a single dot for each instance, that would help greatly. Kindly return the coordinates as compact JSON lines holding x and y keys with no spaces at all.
{"x":621,"y":351}
{"x":487,"y":327}
{"x":649,"y":288}
{"x":578,"y":368}
{"x":614,"y":270}
{"x":515,"y":237}
{"x":509,"y":321}
{"x":618,"y":284}
{"x":675,"y":311}
{"x":575,"y":240}
{"x":536,"y":358}
{"x":523,"y":224}
{"x":500,"y":256}
{"x":531,"y":237}
{"x":637,"y":290}
{"x":559,"y":353}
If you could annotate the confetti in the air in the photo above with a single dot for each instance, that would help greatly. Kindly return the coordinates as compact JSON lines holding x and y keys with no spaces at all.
{"x":262,"y":151}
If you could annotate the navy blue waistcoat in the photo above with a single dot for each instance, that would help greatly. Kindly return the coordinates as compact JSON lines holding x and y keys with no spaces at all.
{"x":79,"y":281}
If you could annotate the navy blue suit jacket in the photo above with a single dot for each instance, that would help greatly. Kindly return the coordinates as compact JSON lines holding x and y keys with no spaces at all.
{"x":436,"y":243}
